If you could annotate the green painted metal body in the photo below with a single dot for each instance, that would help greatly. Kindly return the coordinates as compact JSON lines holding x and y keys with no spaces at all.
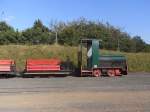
{"x":112,"y":57}
{"x":113,"y":61}
{"x":99,"y":61}
{"x":96,"y":60}
{"x":95,"y":54}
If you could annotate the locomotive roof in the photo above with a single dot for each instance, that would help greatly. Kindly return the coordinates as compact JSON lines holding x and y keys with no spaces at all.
{"x":88,"y":40}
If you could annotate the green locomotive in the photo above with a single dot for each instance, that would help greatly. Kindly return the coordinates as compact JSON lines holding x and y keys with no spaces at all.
{"x":97,"y":64}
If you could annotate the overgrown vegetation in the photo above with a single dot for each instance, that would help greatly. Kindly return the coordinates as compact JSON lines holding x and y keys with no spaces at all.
{"x":69,"y":33}
{"x":37,"y":42}
{"x":136,"y":61}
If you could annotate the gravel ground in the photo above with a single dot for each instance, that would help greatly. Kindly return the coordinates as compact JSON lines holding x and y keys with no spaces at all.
{"x":129,"y":93}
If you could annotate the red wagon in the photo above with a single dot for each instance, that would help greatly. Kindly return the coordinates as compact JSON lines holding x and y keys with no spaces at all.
{"x":44,"y":68}
{"x":7,"y":68}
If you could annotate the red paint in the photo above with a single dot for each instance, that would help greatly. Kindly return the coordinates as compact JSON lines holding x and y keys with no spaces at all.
{"x":97,"y":73}
{"x":117,"y":72}
{"x":5,"y":65}
{"x":111,"y":72}
{"x":114,"y":72}
{"x":35,"y":65}
{"x":43,"y":62}
{"x":6,"y":62}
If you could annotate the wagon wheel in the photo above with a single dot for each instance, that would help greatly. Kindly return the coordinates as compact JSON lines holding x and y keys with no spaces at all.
{"x":97,"y":73}
{"x":117,"y":72}
{"x":111,"y":72}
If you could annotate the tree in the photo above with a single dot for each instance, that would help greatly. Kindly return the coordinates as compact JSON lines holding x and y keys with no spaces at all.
{"x":7,"y":34}
{"x":38,"y":34}
{"x":5,"y":27}
{"x":71,"y":32}
{"x":139,"y":44}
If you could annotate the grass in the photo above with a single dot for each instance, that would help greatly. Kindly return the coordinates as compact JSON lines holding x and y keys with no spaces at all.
{"x":20,"y":53}
{"x":136,"y":61}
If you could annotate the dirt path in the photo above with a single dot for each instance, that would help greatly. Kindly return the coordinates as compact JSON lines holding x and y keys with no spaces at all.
{"x":127,"y":94}
{"x":77,"y":102}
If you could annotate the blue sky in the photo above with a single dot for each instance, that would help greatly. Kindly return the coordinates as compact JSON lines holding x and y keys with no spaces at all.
{"x":132,"y":16}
